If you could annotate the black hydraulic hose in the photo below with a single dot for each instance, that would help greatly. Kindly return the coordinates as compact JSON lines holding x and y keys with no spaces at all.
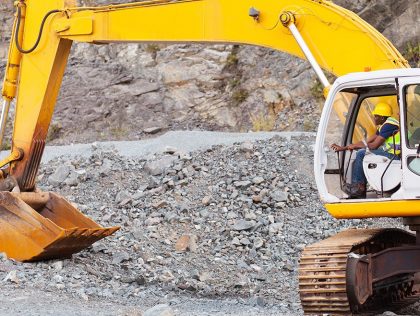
{"x":19,"y":16}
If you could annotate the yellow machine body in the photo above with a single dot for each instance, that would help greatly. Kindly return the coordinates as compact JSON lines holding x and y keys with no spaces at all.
{"x":354,"y":209}
{"x":340,"y":42}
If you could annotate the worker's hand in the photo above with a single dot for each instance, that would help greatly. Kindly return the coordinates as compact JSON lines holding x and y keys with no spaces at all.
{"x":336,"y":147}
{"x":351,"y":147}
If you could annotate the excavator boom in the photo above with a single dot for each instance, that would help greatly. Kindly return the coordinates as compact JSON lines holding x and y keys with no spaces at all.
{"x":225,"y":21}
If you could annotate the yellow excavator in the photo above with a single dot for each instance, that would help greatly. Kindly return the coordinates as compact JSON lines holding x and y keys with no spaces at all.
{"x":352,"y":272}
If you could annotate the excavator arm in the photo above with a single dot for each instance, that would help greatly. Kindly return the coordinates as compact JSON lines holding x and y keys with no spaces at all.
{"x":329,"y":36}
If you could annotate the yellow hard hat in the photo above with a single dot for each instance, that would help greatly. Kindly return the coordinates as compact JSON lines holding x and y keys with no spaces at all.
{"x":382,"y":109}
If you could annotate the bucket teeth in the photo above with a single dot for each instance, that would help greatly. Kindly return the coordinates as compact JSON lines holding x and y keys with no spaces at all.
{"x":73,"y":241}
{"x":40,"y":226}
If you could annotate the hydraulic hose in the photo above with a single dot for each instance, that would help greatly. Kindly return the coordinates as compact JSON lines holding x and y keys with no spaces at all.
{"x":19,"y":17}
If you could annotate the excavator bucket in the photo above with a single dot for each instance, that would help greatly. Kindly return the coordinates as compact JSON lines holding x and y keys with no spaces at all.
{"x":40,"y":226}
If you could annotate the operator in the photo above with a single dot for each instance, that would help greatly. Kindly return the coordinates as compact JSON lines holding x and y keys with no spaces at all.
{"x":382,"y":143}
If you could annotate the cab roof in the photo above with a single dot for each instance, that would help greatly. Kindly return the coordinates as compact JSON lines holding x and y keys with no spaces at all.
{"x":379,"y":74}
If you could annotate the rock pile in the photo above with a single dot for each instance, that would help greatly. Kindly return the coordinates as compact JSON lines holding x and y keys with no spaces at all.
{"x":226,"y":222}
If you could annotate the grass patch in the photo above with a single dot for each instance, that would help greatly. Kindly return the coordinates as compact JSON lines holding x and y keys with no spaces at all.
{"x":317,"y":90}
{"x":119,"y":132}
{"x":310,"y":124}
{"x":54,"y":131}
{"x":232,"y":59}
{"x":412,"y":54}
{"x":240,"y":95}
{"x":263,"y":122}
{"x":152,"y":49}
{"x":6,"y":145}
{"x":234,"y":82}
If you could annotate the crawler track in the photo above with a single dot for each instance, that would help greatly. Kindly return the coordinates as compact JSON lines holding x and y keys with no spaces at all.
{"x":323,"y":280}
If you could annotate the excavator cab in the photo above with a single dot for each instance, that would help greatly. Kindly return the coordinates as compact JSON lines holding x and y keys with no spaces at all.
{"x":354,"y":96}
{"x":359,"y":270}
{"x":383,"y":173}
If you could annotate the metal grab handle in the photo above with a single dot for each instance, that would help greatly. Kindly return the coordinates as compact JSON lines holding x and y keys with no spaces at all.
{"x":343,"y":174}
{"x":348,"y":164}
{"x":340,"y":170}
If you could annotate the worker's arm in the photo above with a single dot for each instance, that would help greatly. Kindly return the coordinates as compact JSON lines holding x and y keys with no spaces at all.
{"x":376,"y":142}
{"x":373,"y":142}
{"x":386,"y":131}
{"x":358,"y":145}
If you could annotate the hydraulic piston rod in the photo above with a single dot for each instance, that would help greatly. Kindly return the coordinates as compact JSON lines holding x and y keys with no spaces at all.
{"x":288,"y":20}
{"x":3,"y":119}
{"x":11,"y":74}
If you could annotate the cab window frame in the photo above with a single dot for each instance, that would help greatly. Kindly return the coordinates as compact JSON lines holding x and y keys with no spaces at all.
{"x":351,"y":124}
{"x":405,"y":104}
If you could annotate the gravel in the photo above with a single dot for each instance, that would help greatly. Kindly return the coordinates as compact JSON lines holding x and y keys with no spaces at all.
{"x":213,"y":231}
{"x":184,"y":141}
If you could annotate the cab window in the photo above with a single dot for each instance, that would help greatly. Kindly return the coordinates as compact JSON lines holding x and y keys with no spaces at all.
{"x":365,"y":123}
{"x":412,"y":103}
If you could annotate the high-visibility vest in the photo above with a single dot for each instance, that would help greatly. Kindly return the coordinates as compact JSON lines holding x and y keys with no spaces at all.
{"x":392,"y":144}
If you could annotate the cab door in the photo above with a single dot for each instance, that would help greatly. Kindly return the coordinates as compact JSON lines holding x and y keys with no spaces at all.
{"x":409,"y":98}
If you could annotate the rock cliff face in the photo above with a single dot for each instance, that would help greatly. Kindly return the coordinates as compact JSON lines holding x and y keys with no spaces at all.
{"x":118,"y":91}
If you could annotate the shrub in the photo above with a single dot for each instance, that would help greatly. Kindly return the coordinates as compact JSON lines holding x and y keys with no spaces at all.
{"x":54,"y":131}
{"x":412,"y":54}
{"x":263,"y":122}
{"x":240,"y":95}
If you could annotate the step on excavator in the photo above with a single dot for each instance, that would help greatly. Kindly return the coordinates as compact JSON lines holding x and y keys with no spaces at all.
{"x":355,"y":271}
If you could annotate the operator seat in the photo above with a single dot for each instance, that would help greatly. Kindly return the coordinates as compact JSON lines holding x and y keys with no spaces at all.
{"x":382,"y":174}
